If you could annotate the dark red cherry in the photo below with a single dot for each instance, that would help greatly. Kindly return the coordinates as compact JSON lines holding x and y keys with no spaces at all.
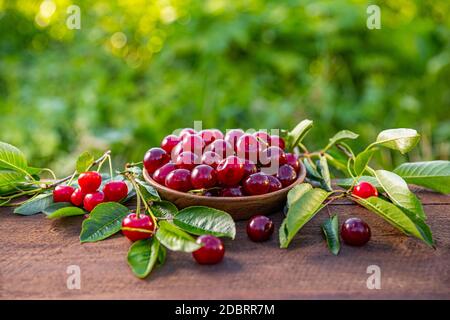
{"x":179,"y":179}
{"x":211,"y":252}
{"x":155,"y":158}
{"x":214,"y":192}
{"x":232,"y":137}
{"x":211,"y":159}
{"x":62,"y":193}
{"x":365,"y":190}
{"x":272,"y":158}
{"x":209,"y":135}
{"x":203,"y":177}
{"x":292,"y":160}
{"x":176,"y":151}
{"x":257,"y":183}
{"x":230,"y":171}
{"x":186,"y":132}
{"x":355,"y":232}
{"x":91,"y":200}
{"x":161,"y":173}
{"x":249,"y":168}
{"x":221,"y":147}
{"x":138,"y":228}
{"x":89,"y":181}
{"x":277,"y":141}
{"x":259,"y":228}
{"x":263,"y":138}
{"x":187,"y":160}
{"x":248,"y":148}
{"x":193,"y":143}
{"x":169,"y":142}
{"x":274,"y":184}
{"x":77,"y":197}
{"x":287,"y":175}
{"x":115,"y":191}
{"x":232,"y":192}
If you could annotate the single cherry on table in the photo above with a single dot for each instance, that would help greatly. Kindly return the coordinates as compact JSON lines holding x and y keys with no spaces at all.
{"x":138,"y":228}
{"x":211,"y":252}
{"x":355,"y":232}
{"x":259,"y":228}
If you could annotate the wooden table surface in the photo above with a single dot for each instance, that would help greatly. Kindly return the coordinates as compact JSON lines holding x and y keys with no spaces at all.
{"x":35,"y":253}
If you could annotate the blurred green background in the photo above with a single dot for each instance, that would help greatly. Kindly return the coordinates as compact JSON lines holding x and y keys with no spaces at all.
{"x":136,"y":70}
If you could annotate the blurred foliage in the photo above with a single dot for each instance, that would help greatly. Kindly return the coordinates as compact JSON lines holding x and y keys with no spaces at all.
{"x":138,"y":69}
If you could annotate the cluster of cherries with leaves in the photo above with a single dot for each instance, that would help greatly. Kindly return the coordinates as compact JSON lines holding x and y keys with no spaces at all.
{"x":213,"y":164}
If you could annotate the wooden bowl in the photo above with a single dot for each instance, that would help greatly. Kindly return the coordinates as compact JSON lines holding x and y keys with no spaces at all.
{"x":239,"y":208}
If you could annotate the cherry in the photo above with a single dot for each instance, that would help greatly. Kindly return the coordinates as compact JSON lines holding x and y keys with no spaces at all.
{"x":272,"y":158}
{"x":138,"y":228}
{"x":115,"y":191}
{"x":230,"y":171}
{"x":155,"y":158}
{"x":62,"y":193}
{"x":263,"y":138}
{"x":259,"y":228}
{"x":187,"y":160}
{"x":209,"y":135}
{"x":355,"y":232}
{"x":365,"y":190}
{"x":221,"y":147}
{"x":248,"y":148}
{"x":89,"y":181}
{"x":257,"y":183}
{"x":179,"y":179}
{"x":211,"y":252}
{"x":287,"y":175}
{"x":193,"y":143}
{"x":232,"y":192}
{"x":186,"y":132}
{"x":161,"y":173}
{"x":169,"y":142}
{"x":91,"y":200}
{"x":77,"y":197}
{"x":249,"y":168}
{"x":215,"y":192}
{"x":203,"y":177}
{"x":274,"y":184}
{"x":292,"y":160}
{"x":211,"y":158}
{"x":277,"y":141}
{"x":233,"y":136}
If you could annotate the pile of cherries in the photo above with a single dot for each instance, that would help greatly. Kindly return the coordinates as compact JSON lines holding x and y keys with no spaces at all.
{"x":232,"y":165}
{"x":87,"y":194}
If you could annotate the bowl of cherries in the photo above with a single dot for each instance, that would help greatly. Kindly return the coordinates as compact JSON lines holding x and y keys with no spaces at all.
{"x":237,"y":172}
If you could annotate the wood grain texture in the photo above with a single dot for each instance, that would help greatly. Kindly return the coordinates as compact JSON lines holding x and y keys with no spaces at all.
{"x":35,"y":253}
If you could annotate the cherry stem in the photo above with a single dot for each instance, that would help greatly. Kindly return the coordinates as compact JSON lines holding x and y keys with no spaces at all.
{"x":110,"y":167}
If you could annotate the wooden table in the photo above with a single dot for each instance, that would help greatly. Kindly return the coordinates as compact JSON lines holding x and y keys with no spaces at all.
{"x":35,"y":253}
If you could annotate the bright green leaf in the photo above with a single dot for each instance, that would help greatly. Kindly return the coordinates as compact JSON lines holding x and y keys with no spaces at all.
{"x":84,"y":162}
{"x":142,"y":256}
{"x":174,"y":238}
{"x":149,"y":193}
{"x":35,"y":205}
{"x":401,"y":139}
{"x":164,"y":209}
{"x":56,"y":206}
{"x":325,"y":173}
{"x":296,"y":192}
{"x":362,"y":160}
{"x":341,"y":135}
{"x":330,"y":229}
{"x":66,"y":212}
{"x":299,"y":132}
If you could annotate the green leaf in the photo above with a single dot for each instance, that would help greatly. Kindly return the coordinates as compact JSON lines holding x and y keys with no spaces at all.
{"x":347,"y":183}
{"x":13,"y":167}
{"x":398,"y":218}
{"x":104,"y":221}
{"x":142,"y":256}
{"x":341,"y":135}
{"x":35,"y":205}
{"x":301,"y":211}
{"x":325,"y":173}
{"x":162,"y":254}
{"x":164,"y":209}
{"x":200,"y":220}
{"x":296,"y":192}
{"x":84,"y":162}
{"x":362,"y":160}
{"x":174,"y":238}
{"x":34,"y":171}
{"x":330,"y":229}
{"x":311,"y":171}
{"x":148,"y":192}
{"x":66,"y":212}
{"x":56,"y":206}
{"x":399,"y":193}
{"x":434,"y":175}
{"x":299,"y":132}
{"x":402,"y":139}
{"x":9,"y":179}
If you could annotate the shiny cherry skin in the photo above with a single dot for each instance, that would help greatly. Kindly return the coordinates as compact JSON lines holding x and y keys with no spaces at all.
{"x":211,"y":158}
{"x":232,"y":137}
{"x":176,"y":151}
{"x":115,"y":191}
{"x":179,"y":179}
{"x":210,"y":135}
{"x":292,"y":160}
{"x":211,"y":252}
{"x":203,"y":177}
{"x":355,"y":232}
{"x":257,"y":183}
{"x":263,"y":138}
{"x":248,"y":148}
{"x":249,"y":168}
{"x":259,"y":228}
{"x":186,"y":132}
{"x":187,"y":160}
{"x":365,"y":190}
{"x":274,"y":184}
{"x":89,"y":181}
{"x":232,"y":192}
{"x":169,"y":142}
{"x":277,"y":141}
{"x":272,"y":157}
{"x":155,"y":158}
{"x":62,"y":193}
{"x":230,"y":171}
{"x":77,"y":197}
{"x":161,"y":173}
{"x":138,"y":228}
{"x":287,"y":175}
{"x":193,"y":143}
{"x":221,"y":147}
{"x":91,"y":200}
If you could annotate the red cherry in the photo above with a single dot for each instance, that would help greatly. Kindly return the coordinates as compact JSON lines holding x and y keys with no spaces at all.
{"x":209,"y":135}
{"x":365,"y":190}
{"x":186,"y":132}
{"x":62,"y":193}
{"x":248,"y":148}
{"x":193,"y":143}
{"x":89,"y":181}
{"x":355,"y":232}
{"x":176,"y":151}
{"x":115,"y":191}
{"x":272,"y":158}
{"x":162,"y":172}
{"x":179,"y":179}
{"x":274,"y":184}
{"x":187,"y":160}
{"x":155,"y":158}
{"x":259,"y":228}
{"x":203,"y":177}
{"x":169,"y":142}
{"x":232,"y":137}
{"x":263,"y":138}
{"x":221,"y":147}
{"x":211,"y":158}
{"x":77,"y":197}
{"x":287,"y":175}
{"x":277,"y":141}
{"x":138,"y":228}
{"x":292,"y":160}
{"x":232,"y":192}
{"x":249,"y":168}
{"x":230,"y":171}
{"x":91,"y":200}
{"x":257,"y":183}
{"x":211,"y":252}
